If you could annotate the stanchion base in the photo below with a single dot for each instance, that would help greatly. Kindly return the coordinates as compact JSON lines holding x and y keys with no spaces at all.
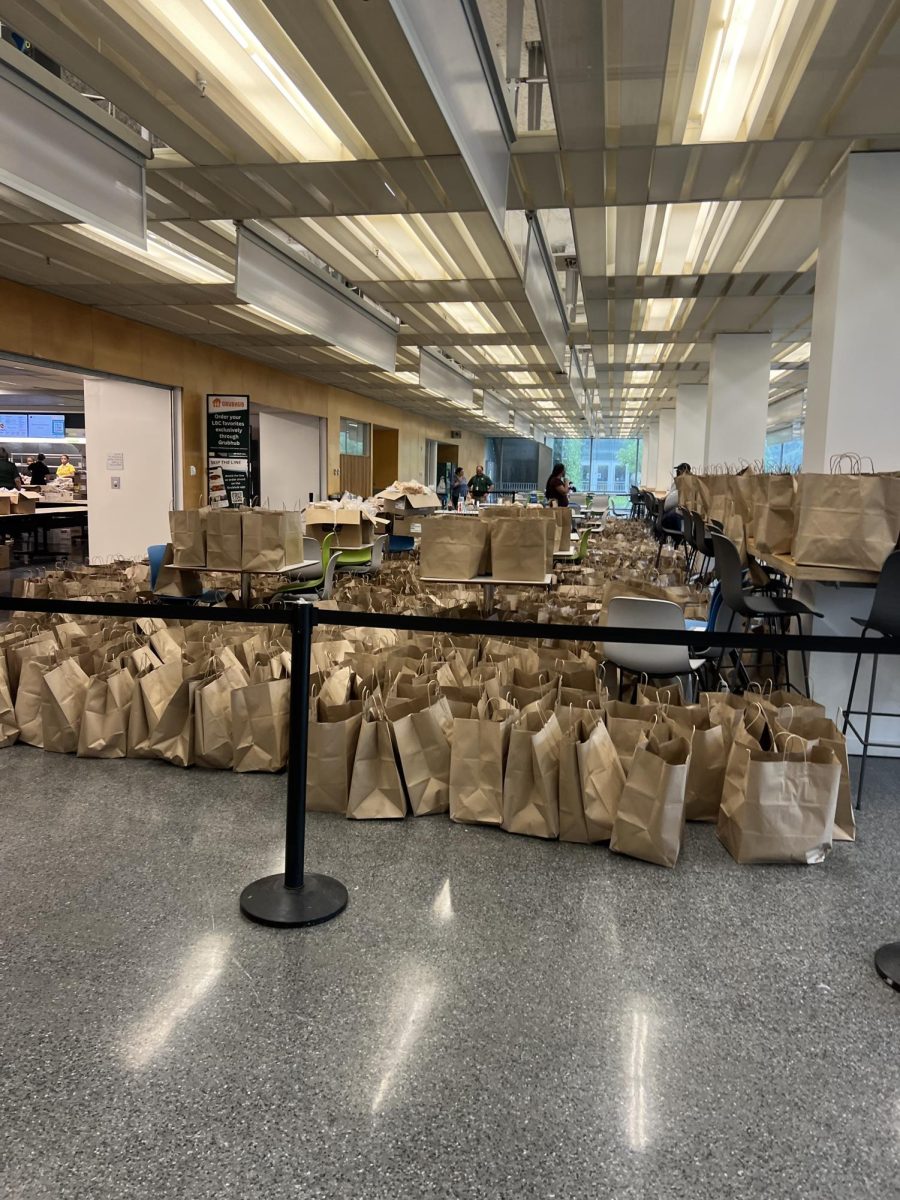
{"x":271,"y":903}
{"x":887,"y":963}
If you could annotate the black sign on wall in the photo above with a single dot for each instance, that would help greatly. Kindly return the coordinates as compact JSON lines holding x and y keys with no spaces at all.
{"x":228,"y":449}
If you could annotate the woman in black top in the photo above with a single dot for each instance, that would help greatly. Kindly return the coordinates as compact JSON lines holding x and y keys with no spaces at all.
{"x":558,"y":487}
{"x":39,"y":471}
{"x":9,"y":472}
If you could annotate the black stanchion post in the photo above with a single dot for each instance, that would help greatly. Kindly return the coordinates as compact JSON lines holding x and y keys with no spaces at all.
{"x":296,"y":898}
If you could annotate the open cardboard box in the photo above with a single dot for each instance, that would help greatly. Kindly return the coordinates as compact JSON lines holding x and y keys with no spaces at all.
{"x":24,"y":504}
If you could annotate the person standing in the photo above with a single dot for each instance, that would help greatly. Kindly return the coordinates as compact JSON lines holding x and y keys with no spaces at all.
{"x":39,"y":471}
{"x":558,"y":486}
{"x":480,"y":484}
{"x":460,"y":488}
{"x":9,"y":472}
{"x":65,"y":470}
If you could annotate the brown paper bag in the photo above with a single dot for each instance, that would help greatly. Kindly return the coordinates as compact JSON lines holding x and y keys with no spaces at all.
{"x":531,"y":780}
{"x":224,"y":541}
{"x":478,"y":752}
{"x":710,"y":735}
{"x":602,"y":781}
{"x":846,"y":520}
{"x":187,"y":530}
{"x":29,"y":698}
{"x":260,"y":716}
{"x":453,"y":548}
{"x":822,"y":731}
{"x":172,"y":739}
{"x":172,"y":582}
{"x":779,"y":806}
{"x":213,"y":732}
{"x":376,"y":789}
{"x":333,"y":738}
{"x":265,"y":537}
{"x":9,"y":730}
{"x":572,"y":823}
{"x":64,"y":689}
{"x":628,"y":726}
{"x":518,"y":550}
{"x":773,"y":514}
{"x":649,"y":822}
{"x":423,"y":749}
{"x":152,"y":693}
{"x":107,"y":707}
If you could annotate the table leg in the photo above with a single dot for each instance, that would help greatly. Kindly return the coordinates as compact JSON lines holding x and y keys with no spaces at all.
{"x":488,"y":599}
{"x":245,"y":589}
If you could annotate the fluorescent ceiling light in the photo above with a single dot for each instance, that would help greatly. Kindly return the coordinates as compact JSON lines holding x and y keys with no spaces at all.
{"x":466,"y":317}
{"x":160,"y":254}
{"x":743,"y":41}
{"x":234,"y":59}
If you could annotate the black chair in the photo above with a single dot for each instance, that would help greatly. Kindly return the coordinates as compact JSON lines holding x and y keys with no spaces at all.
{"x":663,"y":533}
{"x":884,"y":618}
{"x":748,"y":603}
{"x":637,"y":502}
{"x":703,"y":545}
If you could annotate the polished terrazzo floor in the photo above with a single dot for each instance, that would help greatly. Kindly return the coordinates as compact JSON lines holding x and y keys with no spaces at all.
{"x":491,"y":1017}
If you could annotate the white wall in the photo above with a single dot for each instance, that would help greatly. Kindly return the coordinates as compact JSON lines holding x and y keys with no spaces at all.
{"x":665,"y":451}
{"x":289,"y":459}
{"x":133,"y":420}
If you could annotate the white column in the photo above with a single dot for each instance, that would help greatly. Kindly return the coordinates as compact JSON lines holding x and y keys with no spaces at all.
{"x":852,"y":390}
{"x":665,"y":450}
{"x":738,"y":399}
{"x":651,"y":444}
{"x":645,"y":457}
{"x":691,"y":400}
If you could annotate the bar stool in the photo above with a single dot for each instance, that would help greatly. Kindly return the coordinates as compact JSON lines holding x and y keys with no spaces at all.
{"x":884,"y":618}
{"x":747,"y":603}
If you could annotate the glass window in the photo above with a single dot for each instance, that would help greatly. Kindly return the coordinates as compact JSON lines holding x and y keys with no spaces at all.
{"x":354,"y":436}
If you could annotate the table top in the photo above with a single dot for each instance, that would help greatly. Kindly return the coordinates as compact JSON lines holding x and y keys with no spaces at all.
{"x":786,"y":565}
{"x":41,"y":511}
{"x":566,"y":554}
{"x":484,"y":580}
{"x":61,"y":501}
{"x":364,"y":546}
{"x":307,"y":562}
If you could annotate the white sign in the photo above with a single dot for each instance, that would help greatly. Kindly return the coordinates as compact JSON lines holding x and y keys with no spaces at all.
{"x":115,"y":462}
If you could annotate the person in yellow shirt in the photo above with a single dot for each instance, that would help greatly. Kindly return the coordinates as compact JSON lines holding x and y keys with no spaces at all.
{"x":65,"y":470}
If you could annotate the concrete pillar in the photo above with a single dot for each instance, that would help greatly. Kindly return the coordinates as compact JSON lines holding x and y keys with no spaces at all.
{"x":651,"y":444}
{"x":645,"y":457}
{"x":738,"y":401}
{"x":665,"y":450}
{"x":691,"y":400}
{"x":851,"y":396}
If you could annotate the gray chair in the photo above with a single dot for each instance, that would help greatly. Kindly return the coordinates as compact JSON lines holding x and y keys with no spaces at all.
{"x":374,"y":565}
{"x":656,"y":662}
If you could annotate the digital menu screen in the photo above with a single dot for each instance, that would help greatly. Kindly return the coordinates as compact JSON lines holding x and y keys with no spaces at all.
{"x":46,"y":425}
{"x":13,"y":425}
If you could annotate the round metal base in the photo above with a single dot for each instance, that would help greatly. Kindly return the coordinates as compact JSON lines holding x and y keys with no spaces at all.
{"x":271,"y":903}
{"x":887,"y":963}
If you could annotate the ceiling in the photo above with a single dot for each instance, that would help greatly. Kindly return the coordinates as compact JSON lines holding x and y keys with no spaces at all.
{"x":676,"y":152}
{"x":24,"y":384}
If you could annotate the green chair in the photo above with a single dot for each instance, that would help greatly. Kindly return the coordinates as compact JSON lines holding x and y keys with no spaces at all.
{"x":322,"y":584}
{"x":353,"y":559}
{"x":581,"y":553}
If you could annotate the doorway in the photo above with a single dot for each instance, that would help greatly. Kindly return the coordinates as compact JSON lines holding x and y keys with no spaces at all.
{"x":385,"y":456}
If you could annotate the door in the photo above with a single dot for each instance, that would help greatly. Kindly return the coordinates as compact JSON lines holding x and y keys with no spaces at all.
{"x":385,"y":457}
{"x":289,"y":459}
{"x":130,"y":448}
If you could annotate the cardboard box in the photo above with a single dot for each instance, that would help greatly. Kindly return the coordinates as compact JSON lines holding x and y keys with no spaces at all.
{"x":353,"y":529}
{"x":24,"y":505}
{"x":5,"y":506}
{"x":408,"y":525}
{"x":396,"y":500}
{"x":319,"y":520}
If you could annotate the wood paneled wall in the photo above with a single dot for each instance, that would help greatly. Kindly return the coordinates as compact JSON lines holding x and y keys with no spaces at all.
{"x":36,"y":324}
{"x":356,"y":474}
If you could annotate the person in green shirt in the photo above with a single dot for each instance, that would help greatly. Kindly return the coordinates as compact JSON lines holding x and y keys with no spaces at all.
{"x":480,"y":484}
{"x":9,"y":472}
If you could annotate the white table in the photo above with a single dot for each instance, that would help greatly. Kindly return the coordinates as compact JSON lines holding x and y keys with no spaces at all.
{"x":565,"y":555}
{"x":488,"y":583}
{"x":245,"y":575}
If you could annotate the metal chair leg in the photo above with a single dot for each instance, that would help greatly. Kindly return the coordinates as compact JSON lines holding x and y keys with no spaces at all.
{"x":865,"y":745}
{"x":804,"y":659}
{"x":724,"y":648}
{"x":847,"y":710}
